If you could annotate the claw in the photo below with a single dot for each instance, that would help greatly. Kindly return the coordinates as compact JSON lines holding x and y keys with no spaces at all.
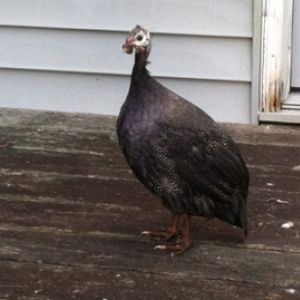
{"x":181,"y":245}
{"x":146,"y":233}
{"x":165,"y":234}
{"x":183,"y":242}
{"x":160,"y":247}
{"x":176,"y":249}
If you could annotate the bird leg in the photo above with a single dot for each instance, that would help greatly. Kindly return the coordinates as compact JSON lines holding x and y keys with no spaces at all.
{"x":168,"y":234}
{"x":183,"y":244}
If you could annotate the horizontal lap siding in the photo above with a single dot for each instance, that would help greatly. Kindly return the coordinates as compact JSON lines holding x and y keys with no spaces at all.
{"x":99,"y":52}
{"x":98,"y":93}
{"x":206,"y":57}
{"x":210,"y":17}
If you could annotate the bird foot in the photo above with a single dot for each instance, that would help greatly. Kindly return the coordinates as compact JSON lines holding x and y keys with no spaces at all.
{"x":183,"y":243}
{"x":166,"y":235}
{"x":176,"y":249}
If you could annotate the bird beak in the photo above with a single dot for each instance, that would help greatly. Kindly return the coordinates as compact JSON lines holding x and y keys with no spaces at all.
{"x":128,"y":46}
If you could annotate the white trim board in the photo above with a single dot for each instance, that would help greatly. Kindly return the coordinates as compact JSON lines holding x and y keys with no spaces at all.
{"x":293,"y":101}
{"x":276,"y":53}
{"x":283,"y":116}
{"x":277,"y":103}
{"x":256,"y":61}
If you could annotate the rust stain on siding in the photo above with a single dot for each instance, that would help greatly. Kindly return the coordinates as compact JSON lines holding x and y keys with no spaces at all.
{"x":273,"y":96}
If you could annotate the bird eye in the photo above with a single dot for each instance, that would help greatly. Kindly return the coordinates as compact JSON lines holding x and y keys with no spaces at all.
{"x":139,"y":38}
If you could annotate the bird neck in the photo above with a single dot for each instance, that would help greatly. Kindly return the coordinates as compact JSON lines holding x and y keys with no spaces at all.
{"x":140,"y":65}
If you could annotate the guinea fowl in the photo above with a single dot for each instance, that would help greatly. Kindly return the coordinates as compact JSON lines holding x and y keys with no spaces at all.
{"x":179,"y":152}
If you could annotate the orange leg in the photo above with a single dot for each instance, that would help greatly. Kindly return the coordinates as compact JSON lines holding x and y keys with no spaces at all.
{"x":182,"y":245}
{"x":168,"y":234}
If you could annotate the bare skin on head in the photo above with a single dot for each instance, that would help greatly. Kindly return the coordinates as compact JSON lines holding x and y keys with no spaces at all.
{"x":138,"y":39}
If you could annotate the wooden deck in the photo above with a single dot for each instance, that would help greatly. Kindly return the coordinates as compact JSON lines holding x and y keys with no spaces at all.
{"x":71,"y":214}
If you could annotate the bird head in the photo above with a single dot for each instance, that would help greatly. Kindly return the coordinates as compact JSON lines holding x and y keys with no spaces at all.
{"x":138,"y":39}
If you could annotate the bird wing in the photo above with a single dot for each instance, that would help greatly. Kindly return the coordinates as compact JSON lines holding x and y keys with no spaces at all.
{"x":209,"y":161}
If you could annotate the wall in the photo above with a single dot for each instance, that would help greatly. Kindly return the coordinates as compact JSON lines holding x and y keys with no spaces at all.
{"x":65,"y":55}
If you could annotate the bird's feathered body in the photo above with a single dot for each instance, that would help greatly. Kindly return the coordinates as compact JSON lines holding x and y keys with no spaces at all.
{"x":180,"y":154}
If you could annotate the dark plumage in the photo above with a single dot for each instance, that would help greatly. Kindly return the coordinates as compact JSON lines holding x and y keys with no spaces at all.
{"x":178,"y":152}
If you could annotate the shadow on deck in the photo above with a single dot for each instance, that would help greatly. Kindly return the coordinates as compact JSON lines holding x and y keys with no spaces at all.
{"x":71,"y":214}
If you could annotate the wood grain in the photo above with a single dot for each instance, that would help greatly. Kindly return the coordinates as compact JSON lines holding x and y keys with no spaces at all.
{"x":71,"y":213}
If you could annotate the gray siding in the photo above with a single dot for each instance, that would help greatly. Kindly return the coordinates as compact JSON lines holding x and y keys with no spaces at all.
{"x":66,"y":55}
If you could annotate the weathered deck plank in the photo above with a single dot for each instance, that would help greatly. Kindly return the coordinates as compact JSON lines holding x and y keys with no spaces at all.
{"x":71,"y":213}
